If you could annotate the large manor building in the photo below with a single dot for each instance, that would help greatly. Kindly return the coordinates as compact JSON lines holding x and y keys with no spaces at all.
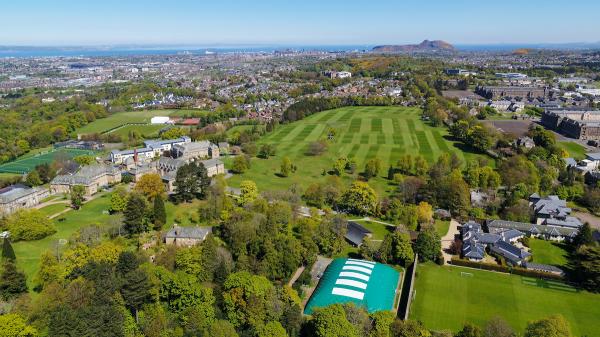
{"x":575,"y":123}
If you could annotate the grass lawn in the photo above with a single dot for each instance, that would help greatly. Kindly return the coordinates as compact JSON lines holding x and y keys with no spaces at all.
{"x":121,"y":118}
{"x":379,"y":230}
{"x":28,"y":252}
{"x":446,"y":298}
{"x":441,"y":227}
{"x":575,"y":150}
{"x":182,"y":214}
{"x":548,"y":252}
{"x":28,"y":162}
{"x":362,"y":133}
{"x":54,"y":208}
{"x":147,"y":131}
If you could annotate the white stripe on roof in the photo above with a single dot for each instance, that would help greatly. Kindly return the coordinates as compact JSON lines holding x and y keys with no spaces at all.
{"x":348,"y":293}
{"x":355,"y":275}
{"x":357,"y":268}
{"x":360,"y":264}
{"x":364,"y":261}
{"x":351,"y":283}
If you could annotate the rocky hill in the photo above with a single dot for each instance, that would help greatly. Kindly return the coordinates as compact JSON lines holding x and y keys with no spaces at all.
{"x":424,"y":46}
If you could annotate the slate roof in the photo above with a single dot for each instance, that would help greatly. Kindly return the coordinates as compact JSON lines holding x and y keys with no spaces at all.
{"x":188,"y":232}
{"x":14,"y":192}
{"x":473,"y":250}
{"x":509,"y":252}
{"x":496,"y":226}
{"x":85,"y":176}
{"x":212,"y":162}
{"x":356,"y":233}
{"x":543,"y":267}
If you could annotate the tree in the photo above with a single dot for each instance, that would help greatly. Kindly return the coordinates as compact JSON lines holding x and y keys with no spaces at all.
{"x":272,"y":329}
{"x":8,"y":253}
{"x":317,"y":148}
{"x":424,"y":213}
{"x":584,"y":236}
{"x":360,"y":198}
{"x":497,"y":327}
{"x":136,"y":289}
{"x":159,"y":214}
{"x":150,"y":185}
{"x":248,"y":192}
{"x":409,"y":328}
{"x":191,"y":182}
{"x":241,"y":164}
{"x":469,"y":330}
{"x":33,"y":179}
{"x":340,"y":166}
{"x":221,"y":328}
{"x":84,"y":160}
{"x":372,"y":168}
{"x":118,"y":200}
{"x":331,"y":321}
{"x":396,"y":248}
{"x":13,"y":325}
{"x":12,"y":281}
{"x":29,"y":224}
{"x":77,"y":196}
{"x":173,"y":133}
{"x":248,"y":299}
{"x":286,"y":167}
{"x":552,"y":326}
{"x":428,"y":245}
{"x":266,"y":151}
{"x":135,"y":215}
{"x":586,"y":266}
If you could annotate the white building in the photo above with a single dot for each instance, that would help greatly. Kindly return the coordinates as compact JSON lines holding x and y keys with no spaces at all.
{"x":160,"y":120}
{"x":152,"y":149}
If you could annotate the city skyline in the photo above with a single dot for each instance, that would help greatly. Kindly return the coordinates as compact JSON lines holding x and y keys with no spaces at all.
{"x":234,"y":22}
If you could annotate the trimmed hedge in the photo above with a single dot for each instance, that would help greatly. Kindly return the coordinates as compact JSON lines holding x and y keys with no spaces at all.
{"x":505,"y":269}
{"x":479,"y":265}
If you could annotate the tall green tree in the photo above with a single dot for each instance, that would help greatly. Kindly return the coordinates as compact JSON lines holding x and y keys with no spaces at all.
{"x":191,"y":182}
{"x":360,"y":199}
{"x":12,"y":281}
{"x":553,"y":326}
{"x":584,"y":236}
{"x":8,"y":253}
{"x":159,"y":214}
{"x":77,"y":196}
{"x":331,"y":321}
{"x":428,"y":245}
{"x":135,"y":215}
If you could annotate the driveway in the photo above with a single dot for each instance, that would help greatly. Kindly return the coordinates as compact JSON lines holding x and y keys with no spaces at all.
{"x":593,"y":220}
{"x":453,"y":233}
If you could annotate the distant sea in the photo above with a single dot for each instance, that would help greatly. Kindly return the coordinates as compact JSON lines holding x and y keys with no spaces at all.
{"x":23,"y":52}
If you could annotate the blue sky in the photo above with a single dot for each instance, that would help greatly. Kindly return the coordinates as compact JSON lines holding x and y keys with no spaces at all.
{"x":229,"y":22}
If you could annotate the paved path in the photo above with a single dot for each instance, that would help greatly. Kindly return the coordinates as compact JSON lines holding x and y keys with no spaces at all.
{"x":593,"y":220}
{"x":51,"y":202}
{"x":296,"y":275}
{"x":447,"y":240}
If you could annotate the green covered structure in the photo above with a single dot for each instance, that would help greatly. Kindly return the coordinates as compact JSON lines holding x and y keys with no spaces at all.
{"x":367,"y":284}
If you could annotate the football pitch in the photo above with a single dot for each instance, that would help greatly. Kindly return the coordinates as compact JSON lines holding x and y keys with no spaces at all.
{"x":362,"y":133}
{"x":27,"y":163}
{"x":448,"y":297}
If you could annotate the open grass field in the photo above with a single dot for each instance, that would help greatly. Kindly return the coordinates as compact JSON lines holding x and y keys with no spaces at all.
{"x":379,"y":230}
{"x":441,"y":227}
{"x":121,"y":118}
{"x":575,"y":150}
{"x":447,"y":297}
{"x":28,"y":162}
{"x":94,"y":212}
{"x":548,"y":252}
{"x":54,"y":208}
{"x":362,"y":133}
{"x":147,"y":131}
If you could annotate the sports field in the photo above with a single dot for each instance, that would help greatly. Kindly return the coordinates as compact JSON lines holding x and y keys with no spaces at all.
{"x":362,"y":133}
{"x":146,"y":131}
{"x":28,"y":162}
{"x":122,"y":118}
{"x":447,"y":297}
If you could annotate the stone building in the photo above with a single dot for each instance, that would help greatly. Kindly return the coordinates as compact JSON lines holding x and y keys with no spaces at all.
{"x":15,"y":197}
{"x":195,"y":150}
{"x":511,"y":92}
{"x":92,"y":178}
{"x":187,"y":236}
{"x":579,"y":124}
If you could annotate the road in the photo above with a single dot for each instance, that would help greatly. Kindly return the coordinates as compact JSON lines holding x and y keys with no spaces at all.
{"x":447,"y":240}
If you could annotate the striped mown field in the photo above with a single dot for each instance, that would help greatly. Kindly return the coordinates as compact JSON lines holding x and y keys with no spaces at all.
{"x":362,"y":133}
{"x":447,"y":297}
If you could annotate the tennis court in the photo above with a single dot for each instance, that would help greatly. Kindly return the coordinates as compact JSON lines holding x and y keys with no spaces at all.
{"x":27,"y":163}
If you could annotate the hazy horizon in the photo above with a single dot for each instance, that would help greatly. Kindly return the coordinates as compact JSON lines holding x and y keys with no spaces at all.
{"x":312,"y":22}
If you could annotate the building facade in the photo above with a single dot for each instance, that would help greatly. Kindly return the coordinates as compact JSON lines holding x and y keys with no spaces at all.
{"x":92,"y":178}
{"x":15,"y":197}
